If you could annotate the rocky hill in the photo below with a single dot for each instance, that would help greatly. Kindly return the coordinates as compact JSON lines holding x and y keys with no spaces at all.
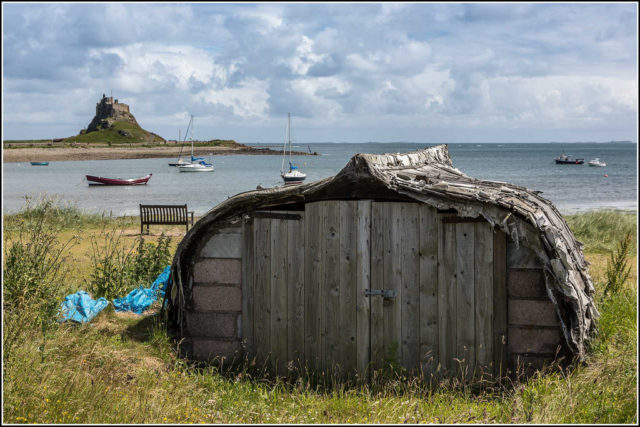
{"x":114,"y":123}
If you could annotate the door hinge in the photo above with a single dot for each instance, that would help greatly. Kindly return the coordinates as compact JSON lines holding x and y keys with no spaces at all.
{"x":384,"y":293}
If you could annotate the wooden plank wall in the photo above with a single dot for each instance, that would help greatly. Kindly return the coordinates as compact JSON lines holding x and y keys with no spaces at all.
{"x":306,"y":301}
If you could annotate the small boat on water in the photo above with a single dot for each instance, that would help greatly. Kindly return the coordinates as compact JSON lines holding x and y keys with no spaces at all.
{"x":39,"y":163}
{"x":597,"y":162}
{"x":197,"y":164}
{"x":293,"y":176}
{"x":99,"y":180}
{"x":563,"y":159}
{"x":201,"y":166}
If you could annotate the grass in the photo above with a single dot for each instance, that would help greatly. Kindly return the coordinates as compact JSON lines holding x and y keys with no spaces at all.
{"x":132,"y":134}
{"x":601,"y":230}
{"x":123,"y":368}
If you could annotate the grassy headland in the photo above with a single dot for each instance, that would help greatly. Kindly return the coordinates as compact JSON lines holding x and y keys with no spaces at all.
{"x":123,"y":368}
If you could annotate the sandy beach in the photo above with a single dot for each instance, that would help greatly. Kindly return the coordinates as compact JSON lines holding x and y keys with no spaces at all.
{"x":112,"y":153}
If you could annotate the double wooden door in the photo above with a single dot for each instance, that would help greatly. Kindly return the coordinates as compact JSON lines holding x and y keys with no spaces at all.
{"x":346,"y":286}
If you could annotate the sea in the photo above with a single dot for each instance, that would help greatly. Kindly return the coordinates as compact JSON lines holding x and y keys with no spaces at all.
{"x":572,"y":188}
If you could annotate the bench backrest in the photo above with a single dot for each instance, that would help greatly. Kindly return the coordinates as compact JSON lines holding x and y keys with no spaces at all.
{"x":164,"y":214}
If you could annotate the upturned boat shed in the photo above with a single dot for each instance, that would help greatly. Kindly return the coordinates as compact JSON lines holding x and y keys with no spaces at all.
{"x":397,"y":258}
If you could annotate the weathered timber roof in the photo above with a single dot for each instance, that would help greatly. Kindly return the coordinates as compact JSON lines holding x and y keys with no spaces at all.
{"x":428,"y":176}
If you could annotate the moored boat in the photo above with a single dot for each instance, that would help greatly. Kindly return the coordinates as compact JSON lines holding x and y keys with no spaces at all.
{"x":202,"y":166}
{"x":39,"y":163}
{"x":563,"y":159}
{"x":597,"y":162}
{"x":293,"y":176}
{"x":197,"y":164}
{"x":99,"y":180}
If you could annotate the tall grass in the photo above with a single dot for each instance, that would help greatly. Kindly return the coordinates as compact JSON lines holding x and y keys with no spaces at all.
{"x":58,"y":215}
{"x":600,"y":231}
{"x":125,"y":369}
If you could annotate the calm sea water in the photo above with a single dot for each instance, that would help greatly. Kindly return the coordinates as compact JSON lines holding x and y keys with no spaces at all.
{"x":571,"y":188}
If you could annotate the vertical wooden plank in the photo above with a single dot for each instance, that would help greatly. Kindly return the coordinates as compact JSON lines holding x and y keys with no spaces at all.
{"x":484,"y":297}
{"x":262,"y":286}
{"x":500,"y":303}
{"x":346,"y":345}
{"x":392,"y":308}
{"x":330,"y":286}
{"x":428,"y":314}
{"x":465,"y":307}
{"x":447,"y":295}
{"x":313,"y":278}
{"x":279,"y":334}
{"x":247,"y":288}
{"x":295,"y":284}
{"x":363,"y":265}
{"x":410,"y":302}
{"x":377,"y":282}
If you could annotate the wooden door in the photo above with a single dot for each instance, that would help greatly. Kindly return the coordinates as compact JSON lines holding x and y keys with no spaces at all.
{"x":336,"y":275}
{"x":471,"y":297}
{"x":404,"y":265}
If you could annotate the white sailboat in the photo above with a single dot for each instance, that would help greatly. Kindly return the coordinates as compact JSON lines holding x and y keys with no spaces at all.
{"x":197,"y":163}
{"x":293,"y":176}
{"x":180,"y":160}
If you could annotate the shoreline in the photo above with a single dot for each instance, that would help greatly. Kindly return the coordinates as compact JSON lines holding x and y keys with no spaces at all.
{"x":33,"y":154}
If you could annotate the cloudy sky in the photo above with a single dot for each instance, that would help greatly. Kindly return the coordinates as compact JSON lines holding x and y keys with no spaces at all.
{"x":417,"y":72}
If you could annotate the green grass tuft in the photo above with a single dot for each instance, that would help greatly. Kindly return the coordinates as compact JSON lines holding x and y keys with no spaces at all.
{"x":601,"y":230}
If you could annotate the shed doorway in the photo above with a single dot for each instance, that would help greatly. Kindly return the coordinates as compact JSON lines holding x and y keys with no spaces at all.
{"x":346,"y":286}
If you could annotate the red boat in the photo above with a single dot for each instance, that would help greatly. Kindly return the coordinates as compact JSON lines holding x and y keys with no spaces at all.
{"x":98,"y":180}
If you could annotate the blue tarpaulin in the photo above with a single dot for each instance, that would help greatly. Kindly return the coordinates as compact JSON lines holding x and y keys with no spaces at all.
{"x":81,"y":308}
{"x":141,"y":298}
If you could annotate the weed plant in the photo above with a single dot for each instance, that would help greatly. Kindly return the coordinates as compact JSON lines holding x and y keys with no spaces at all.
{"x":117,"y":268}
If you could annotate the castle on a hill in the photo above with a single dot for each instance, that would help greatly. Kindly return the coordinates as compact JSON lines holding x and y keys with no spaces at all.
{"x":109,"y":110}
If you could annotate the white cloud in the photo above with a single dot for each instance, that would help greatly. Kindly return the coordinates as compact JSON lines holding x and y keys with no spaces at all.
{"x":411,"y":65}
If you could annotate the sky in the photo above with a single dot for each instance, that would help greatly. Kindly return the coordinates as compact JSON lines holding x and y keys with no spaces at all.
{"x":347,"y":72}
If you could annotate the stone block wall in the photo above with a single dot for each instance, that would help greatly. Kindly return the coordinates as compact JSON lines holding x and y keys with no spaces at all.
{"x":534,"y":332}
{"x":213,"y":321}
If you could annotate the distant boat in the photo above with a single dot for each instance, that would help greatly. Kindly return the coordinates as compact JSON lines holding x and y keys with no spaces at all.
{"x":597,"y":162}
{"x":99,"y":180}
{"x":39,"y":163}
{"x":197,"y":164}
{"x":201,"y":166}
{"x":563,"y":159}
{"x":294,"y":176}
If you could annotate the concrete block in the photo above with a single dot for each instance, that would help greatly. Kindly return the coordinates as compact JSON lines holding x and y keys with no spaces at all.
{"x":217,"y":298}
{"x":211,"y":325}
{"x":216,"y":270}
{"x":526,"y":283}
{"x":521,"y":340}
{"x":532,"y":312}
{"x":204,"y":349}
{"x":227,"y":243}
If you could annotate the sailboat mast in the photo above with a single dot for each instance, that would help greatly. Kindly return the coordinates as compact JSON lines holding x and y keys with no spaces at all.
{"x":289,"y":134}
{"x":191,"y":126}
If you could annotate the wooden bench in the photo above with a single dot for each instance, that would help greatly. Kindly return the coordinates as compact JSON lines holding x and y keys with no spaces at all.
{"x":165,"y":215}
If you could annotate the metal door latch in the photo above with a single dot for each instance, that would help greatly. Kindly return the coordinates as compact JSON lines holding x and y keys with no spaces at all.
{"x":384,"y":293}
